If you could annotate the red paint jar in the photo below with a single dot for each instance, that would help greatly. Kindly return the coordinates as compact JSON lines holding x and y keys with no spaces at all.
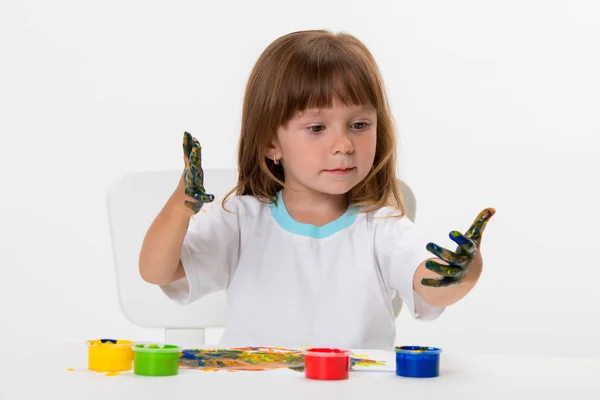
{"x":326,"y":364}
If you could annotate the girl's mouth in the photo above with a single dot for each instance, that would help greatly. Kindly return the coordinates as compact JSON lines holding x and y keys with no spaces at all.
{"x":340,"y":171}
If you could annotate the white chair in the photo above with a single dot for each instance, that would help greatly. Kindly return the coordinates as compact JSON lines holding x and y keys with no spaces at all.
{"x":133,"y":202}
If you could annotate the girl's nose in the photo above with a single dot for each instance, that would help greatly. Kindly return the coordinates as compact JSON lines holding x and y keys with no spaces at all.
{"x":342,"y":144}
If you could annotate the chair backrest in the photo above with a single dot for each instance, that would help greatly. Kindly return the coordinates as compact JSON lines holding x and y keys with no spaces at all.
{"x":133,"y":202}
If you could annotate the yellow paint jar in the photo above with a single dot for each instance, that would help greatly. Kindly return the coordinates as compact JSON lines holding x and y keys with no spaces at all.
{"x":110,"y":355}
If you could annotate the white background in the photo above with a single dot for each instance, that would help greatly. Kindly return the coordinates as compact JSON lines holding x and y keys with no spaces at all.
{"x":496,"y":103}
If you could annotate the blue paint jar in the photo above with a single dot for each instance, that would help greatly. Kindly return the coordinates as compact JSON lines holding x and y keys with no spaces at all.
{"x":418,"y":361}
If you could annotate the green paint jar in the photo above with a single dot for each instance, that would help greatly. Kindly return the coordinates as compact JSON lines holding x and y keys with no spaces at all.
{"x":155,"y":360}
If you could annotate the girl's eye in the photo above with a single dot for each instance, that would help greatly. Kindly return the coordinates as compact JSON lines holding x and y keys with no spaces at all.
{"x":313,"y":130}
{"x":361,"y":125}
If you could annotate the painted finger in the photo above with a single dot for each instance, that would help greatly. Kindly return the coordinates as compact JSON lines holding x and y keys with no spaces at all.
{"x":439,"y":282}
{"x":204,"y":197}
{"x":441,"y":269}
{"x":476,"y":230}
{"x":195,"y":154}
{"x":191,"y":176}
{"x":191,"y":193}
{"x":187,"y":144}
{"x":465,"y":244}
{"x":199,"y":179}
{"x":444,"y":254}
{"x":199,"y":194}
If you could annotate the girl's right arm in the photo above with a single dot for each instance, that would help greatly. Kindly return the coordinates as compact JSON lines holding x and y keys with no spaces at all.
{"x":160,"y":255}
{"x":160,"y":261}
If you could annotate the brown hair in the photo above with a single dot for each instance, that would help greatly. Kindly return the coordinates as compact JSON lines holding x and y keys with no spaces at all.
{"x":311,"y":69}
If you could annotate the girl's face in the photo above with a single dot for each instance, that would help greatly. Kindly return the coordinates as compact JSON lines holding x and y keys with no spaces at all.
{"x":327,"y":150}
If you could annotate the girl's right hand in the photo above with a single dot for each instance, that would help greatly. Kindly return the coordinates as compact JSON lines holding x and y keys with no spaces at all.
{"x":193,"y":175}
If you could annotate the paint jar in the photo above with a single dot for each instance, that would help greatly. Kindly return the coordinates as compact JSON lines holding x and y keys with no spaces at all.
{"x":107,"y":355}
{"x":326,"y":364}
{"x":418,"y":361}
{"x":155,"y":360}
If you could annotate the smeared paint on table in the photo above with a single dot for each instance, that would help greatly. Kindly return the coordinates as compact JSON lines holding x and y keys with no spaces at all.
{"x":254,"y":359}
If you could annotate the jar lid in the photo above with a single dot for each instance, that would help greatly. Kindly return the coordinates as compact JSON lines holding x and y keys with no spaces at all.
{"x":155,"y":348}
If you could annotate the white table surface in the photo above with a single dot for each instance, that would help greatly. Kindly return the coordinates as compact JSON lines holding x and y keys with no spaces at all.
{"x":41,"y":371}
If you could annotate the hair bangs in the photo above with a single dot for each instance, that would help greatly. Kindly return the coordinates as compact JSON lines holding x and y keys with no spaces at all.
{"x":322,"y":75}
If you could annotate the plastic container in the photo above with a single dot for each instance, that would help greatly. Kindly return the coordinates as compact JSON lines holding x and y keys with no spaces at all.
{"x":155,"y":360}
{"x":109,"y":355}
{"x":326,"y":364}
{"x":418,"y":361}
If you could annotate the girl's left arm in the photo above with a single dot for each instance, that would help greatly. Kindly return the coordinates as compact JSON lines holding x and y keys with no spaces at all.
{"x":445,"y":280}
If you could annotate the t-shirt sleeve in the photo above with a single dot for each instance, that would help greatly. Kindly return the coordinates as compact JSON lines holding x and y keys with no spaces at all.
{"x":400,"y":249}
{"x":209,"y":253}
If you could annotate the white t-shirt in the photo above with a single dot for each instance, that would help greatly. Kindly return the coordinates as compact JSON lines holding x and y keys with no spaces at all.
{"x":292,"y":284}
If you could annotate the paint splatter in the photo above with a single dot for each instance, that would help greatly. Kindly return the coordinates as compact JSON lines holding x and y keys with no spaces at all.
{"x":247,"y":359}
{"x":361,"y":361}
{"x":71,"y":369}
{"x":253,"y":359}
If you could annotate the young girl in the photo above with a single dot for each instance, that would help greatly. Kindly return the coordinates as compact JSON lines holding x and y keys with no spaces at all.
{"x":314,"y":245}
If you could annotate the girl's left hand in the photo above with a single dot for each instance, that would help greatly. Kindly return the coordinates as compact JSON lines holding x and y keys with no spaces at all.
{"x":459,"y":261}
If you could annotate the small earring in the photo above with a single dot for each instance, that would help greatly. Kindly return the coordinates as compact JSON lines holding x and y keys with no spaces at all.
{"x":275,"y":160}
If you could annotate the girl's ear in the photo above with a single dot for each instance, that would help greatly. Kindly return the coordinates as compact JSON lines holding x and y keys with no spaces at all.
{"x":273,"y":150}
